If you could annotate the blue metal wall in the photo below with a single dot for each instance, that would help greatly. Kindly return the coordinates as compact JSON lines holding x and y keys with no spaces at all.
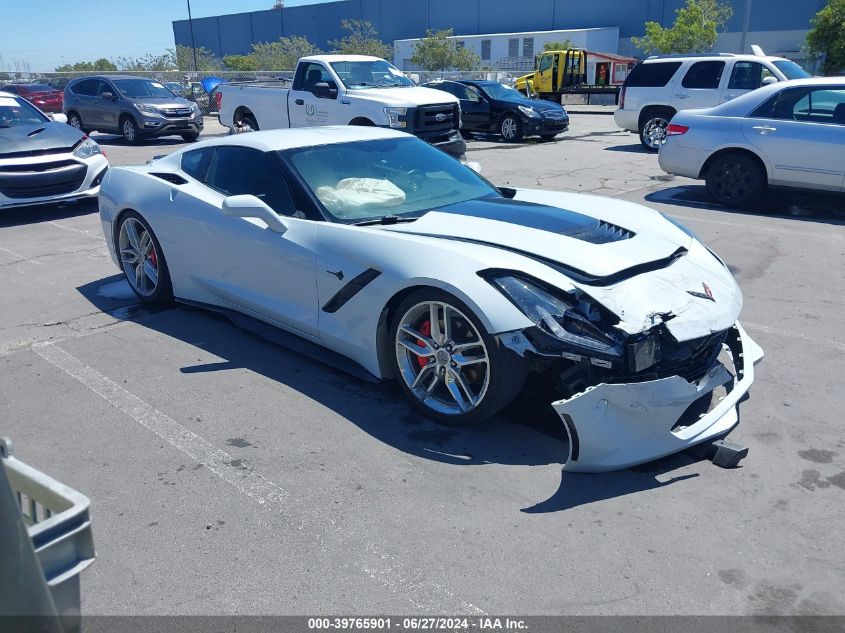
{"x":403,"y":19}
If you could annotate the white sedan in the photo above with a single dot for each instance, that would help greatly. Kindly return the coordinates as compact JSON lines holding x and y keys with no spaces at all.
{"x":788,"y":134}
{"x":385,"y":250}
{"x":43,"y":160}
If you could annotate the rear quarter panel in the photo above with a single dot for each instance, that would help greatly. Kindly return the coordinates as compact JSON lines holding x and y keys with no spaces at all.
{"x":269,"y":105}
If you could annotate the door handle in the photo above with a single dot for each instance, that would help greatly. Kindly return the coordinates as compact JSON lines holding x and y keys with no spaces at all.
{"x":299,"y":102}
{"x":765,"y":129}
{"x":682,"y":96}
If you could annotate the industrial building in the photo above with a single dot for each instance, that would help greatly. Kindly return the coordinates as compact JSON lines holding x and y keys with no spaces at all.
{"x":778,"y":26}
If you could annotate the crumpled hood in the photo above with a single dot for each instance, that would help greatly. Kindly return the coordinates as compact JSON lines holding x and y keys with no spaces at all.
{"x":627,"y":257}
{"x":47,"y":135}
{"x":404,"y":97}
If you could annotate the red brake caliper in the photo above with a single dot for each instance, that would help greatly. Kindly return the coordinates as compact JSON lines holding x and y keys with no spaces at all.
{"x":154,"y":258}
{"x":425,"y":330}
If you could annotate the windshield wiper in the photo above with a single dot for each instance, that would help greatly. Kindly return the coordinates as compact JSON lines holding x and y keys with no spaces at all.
{"x":385,"y":219}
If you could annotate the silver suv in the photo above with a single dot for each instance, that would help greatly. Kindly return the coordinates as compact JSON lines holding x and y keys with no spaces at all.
{"x":135,"y":107}
{"x":662,"y":85}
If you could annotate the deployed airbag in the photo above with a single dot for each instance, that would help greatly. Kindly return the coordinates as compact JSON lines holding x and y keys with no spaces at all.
{"x":351,"y":194}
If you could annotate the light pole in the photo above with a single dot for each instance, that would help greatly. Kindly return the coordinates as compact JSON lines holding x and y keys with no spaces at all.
{"x":745,"y":24}
{"x":191,"y":27}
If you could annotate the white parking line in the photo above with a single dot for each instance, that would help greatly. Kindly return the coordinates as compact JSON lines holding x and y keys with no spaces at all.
{"x":379,"y":565}
{"x":21,"y":258}
{"x":70,"y":228}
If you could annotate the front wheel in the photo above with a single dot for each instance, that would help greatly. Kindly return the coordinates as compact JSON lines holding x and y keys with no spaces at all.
{"x":447,"y":364}
{"x":735,"y":180}
{"x":74,"y":120}
{"x":190,"y":137}
{"x":142,"y":260}
{"x":129,"y":130}
{"x":510,"y":127}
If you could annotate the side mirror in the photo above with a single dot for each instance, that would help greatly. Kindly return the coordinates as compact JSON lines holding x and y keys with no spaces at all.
{"x":248,"y":206}
{"x":323,"y":90}
{"x":768,"y":81}
{"x":107,"y":95}
{"x":58,"y":117}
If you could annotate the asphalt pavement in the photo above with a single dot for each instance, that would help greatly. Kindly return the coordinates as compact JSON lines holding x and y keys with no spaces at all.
{"x":229,"y":475}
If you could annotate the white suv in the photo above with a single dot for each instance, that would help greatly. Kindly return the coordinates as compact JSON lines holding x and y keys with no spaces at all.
{"x":662,"y":85}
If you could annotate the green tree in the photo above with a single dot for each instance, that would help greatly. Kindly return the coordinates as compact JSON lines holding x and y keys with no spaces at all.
{"x":696,"y":29}
{"x":438,"y":51}
{"x":206,"y":61}
{"x":827,"y":37}
{"x":361,"y":39}
{"x":282,"y":54}
{"x":558,"y":46}
{"x":240,"y":62}
{"x":99,"y":65}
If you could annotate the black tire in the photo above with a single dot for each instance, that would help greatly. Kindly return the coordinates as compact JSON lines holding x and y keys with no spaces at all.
{"x":74,"y":120}
{"x":506,"y":369}
{"x":129,"y":130}
{"x":653,"y":125}
{"x":163,"y":292}
{"x":510,"y":127}
{"x":190,"y":137}
{"x":548,"y":137}
{"x":735,"y":180}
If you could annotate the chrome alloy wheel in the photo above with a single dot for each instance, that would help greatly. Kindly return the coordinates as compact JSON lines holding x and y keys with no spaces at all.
{"x":442,"y":358}
{"x":654,"y":132}
{"x":509,"y":127}
{"x":138,"y":257}
{"x":128,"y":131}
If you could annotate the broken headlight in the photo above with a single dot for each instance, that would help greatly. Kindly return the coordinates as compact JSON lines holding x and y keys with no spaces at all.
{"x":573,"y":320}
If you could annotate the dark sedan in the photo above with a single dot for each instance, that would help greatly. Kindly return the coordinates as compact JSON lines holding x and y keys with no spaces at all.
{"x":491,"y":107}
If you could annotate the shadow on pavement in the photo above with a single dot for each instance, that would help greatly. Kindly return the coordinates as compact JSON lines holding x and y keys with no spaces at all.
{"x":634,"y":148}
{"x":46,"y":212}
{"x":809,"y":206}
{"x":528,"y":433}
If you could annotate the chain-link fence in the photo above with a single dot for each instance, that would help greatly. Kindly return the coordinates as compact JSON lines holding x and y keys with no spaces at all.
{"x":189,"y":84}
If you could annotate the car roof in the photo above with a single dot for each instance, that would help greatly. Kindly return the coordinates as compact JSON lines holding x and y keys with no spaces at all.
{"x":710,"y":56}
{"x":276,"y":140}
{"x":341,"y":58}
{"x":8,"y":94}
{"x":748,"y":102}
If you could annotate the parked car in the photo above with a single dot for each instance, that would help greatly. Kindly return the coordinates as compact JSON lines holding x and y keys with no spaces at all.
{"x":42,"y":96}
{"x":345,"y":89}
{"x":59,"y":83}
{"x":176,"y":88}
{"x":662,"y":85}
{"x":790,"y":134}
{"x":135,"y":107}
{"x":43,"y":160}
{"x":489,"y":106}
{"x":374,"y":244}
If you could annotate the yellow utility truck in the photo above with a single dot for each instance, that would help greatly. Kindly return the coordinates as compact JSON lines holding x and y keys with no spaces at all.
{"x":555,"y":72}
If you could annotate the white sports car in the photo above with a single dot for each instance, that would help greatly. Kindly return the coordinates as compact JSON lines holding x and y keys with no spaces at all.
{"x":377,"y":246}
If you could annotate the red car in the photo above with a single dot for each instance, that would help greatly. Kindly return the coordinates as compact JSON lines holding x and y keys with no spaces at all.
{"x":44,"y":97}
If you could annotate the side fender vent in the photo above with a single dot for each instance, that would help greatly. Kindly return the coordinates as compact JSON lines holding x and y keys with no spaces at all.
{"x":175,"y":179}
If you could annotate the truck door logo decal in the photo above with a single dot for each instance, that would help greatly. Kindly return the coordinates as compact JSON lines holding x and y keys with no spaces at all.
{"x":310,"y":109}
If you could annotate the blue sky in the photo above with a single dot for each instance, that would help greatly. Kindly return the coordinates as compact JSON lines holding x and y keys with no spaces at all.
{"x":48,"y":33}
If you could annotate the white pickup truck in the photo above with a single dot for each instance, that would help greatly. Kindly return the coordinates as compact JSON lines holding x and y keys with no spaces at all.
{"x":346,"y":89}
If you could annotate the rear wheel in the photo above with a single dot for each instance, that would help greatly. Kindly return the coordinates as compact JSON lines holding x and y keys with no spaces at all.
{"x":735,"y":180}
{"x":653,"y":128}
{"x":246,"y":120}
{"x":447,"y":364}
{"x":142,"y":259}
{"x":74,"y":120}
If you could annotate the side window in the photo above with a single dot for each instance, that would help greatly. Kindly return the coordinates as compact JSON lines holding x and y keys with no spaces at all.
{"x":545,"y":62}
{"x":86,"y":87}
{"x":195,"y":163}
{"x":471,"y":94}
{"x":652,"y":75}
{"x":705,"y":75}
{"x":747,"y":76}
{"x":104,"y":86}
{"x":820,"y":105}
{"x":240,"y":170}
{"x":310,"y":74}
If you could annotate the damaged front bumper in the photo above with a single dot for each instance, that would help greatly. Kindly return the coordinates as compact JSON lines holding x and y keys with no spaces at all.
{"x":614,"y":426}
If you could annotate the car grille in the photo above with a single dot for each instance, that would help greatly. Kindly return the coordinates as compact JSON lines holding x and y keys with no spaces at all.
{"x":555,"y":115}
{"x":691,"y":360}
{"x":43,"y":179}
{"x":176,"y":113}
{"x":436,"y":118}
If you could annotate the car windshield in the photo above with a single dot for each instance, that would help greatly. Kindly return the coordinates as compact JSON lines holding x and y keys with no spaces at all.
{"x":501,"y":91}
{"x":137,"y":88}
{"x":367,"y":180}
{"x":370,"y":74}
{"x":791,"y":70}
{"x":15,"y":112}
